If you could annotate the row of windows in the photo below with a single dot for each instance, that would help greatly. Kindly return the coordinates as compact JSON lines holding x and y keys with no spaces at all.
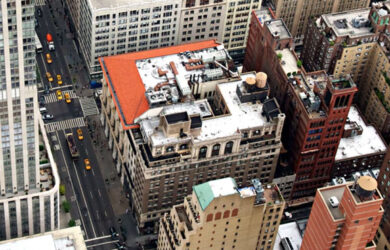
{"x":218,"y":215}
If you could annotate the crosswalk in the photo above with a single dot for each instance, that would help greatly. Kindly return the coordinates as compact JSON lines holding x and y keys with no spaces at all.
{"x":88,"y":105}
{"x":66,"y":124}
{"x":52,"y":97}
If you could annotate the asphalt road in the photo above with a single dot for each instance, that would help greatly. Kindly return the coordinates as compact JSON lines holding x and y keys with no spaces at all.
{"x":84,"y":189}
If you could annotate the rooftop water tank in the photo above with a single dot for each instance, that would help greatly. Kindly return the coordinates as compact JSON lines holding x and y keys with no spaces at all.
{"x":261,"y":80}
{"x":365,"y":187}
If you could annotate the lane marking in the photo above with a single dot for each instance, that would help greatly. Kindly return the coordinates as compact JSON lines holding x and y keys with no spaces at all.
{"x":71,"y":182}
{"x":98,"y":238}
{"x":85,"y":201}
{"x":99,"y":192}
{"x":104,"y":243}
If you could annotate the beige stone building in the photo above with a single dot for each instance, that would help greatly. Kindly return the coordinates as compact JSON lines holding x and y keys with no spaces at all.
{"x":105,"y":28}
{"x":180,"y":116}
{"x":296,"y":13}
{"x":220,"y":215}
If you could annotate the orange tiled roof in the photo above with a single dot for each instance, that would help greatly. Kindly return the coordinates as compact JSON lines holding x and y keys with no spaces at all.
{"x":125,"y":84}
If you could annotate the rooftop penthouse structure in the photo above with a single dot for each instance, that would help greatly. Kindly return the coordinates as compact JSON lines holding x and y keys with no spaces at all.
{"x":183,"y":115}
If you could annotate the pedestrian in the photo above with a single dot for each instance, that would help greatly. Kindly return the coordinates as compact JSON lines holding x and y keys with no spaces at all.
{"x":127,"y":211}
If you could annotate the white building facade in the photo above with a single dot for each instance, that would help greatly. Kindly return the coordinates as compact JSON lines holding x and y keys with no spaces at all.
{"x":105,"y":28}
{"x":27,"y":206}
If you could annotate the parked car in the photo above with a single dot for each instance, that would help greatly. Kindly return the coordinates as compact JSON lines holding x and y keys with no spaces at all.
{"x":47,"y":117}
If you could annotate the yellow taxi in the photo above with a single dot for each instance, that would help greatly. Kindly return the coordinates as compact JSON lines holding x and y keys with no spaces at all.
{"x":67,"y":98}
{"x":87,"y":164}
{"x":80,"y":134}
{"x":49,"y":77}
{"x":59,"y":95}
{"x":48,"y":58}
{"x":59,"y":79}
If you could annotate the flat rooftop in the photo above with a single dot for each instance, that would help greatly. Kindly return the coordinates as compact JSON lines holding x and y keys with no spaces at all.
{"x":213,"y":127}
{"x":207,"y":191}
{"x":336,"y":191}
{"x":288,"y":61}
{"x":278,"y":29}
{"x":342,"y":22}
{"x":63,"y":239}
{"x":291,"y":231}
{"x":368,"y":142}
{"x":133,"y":4}
{"x":129,"y":75}
{"x":263,"y":15}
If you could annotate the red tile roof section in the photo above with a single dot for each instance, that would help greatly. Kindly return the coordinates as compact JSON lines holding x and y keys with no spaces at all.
{"x":127,"y":84}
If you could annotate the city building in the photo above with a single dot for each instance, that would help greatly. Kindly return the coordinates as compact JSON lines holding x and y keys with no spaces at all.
{"x":68,"y":238}
{"x":316,"y":106}
{"x":361,"y":147}
{"x":266,"y":34}
{"x":29,"y":180}
{"x":340,"y":42}
{"x":382,"y":238}
{"x":174,"y":119}
{"x":221,"y":215}
{"x":345,"y":216}
{"x":105,"y":28}
{"x":297,"y":13}
{"x":289,"y":236}
{"x":355,"y":43}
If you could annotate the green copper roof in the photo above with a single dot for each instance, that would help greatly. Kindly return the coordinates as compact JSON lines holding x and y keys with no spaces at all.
{"x":206,"y":192}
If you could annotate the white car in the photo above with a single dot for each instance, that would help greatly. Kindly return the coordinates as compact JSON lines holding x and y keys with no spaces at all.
{"x":47,"y":117}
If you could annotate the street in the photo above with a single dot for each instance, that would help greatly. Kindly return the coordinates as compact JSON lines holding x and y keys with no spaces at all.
{"x":85,"y":189}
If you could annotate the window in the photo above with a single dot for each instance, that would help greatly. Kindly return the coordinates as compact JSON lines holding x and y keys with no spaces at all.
{"x":202,"y":152}
{"x":229,"y":147}
{"x":215,"y":150}
{"x":235,"y":212}
{"x":209,"y":217}
{"x":218,"y":216}
{"x":226,"y":214}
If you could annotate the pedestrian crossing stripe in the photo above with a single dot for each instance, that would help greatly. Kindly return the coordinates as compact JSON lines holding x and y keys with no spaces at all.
{"x":65,"y":124}
{"x":52,"y":97}
{"x":88,"y":106}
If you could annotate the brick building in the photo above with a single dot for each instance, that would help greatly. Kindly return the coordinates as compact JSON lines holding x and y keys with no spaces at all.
{"x":382,"y":238}
{"x":316,"y":107}
{"x":355,"y":43}
{"x":344,"y":216}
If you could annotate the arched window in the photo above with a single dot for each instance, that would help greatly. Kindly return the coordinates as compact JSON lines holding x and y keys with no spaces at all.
{"x":226,"y":214}
{"x":202,"y":152}
{"x":218,"y":216}
{"x":215,"y":151}
{"x":183,"y":146}
{"x":209,"y":217}
{"x":235,"y":212}
{"x":170,"y":149}
{"x":229,"y":147}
